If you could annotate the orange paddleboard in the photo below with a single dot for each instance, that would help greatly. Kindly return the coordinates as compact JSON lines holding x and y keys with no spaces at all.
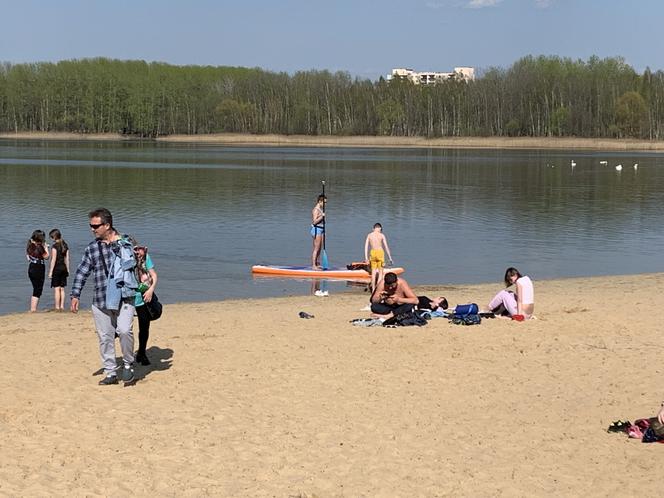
{"x":309,"y":272}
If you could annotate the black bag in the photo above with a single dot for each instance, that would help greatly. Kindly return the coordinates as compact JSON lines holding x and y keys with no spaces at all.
{"x":472,"y":319}
{"x":154,"y":308}
{"x":405,"y":320}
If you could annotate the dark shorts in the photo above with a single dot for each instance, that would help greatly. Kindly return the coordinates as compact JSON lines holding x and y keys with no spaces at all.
{"x":384,"y":309}
{"x":59,"y":277}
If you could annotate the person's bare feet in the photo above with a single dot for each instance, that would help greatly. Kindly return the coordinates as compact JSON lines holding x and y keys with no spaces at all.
{"x":381,"y":317}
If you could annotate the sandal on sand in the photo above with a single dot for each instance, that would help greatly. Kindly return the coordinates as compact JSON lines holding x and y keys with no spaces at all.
{"x":619,"y":426}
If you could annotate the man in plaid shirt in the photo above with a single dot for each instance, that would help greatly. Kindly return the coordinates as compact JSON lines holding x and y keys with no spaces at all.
{"x":98,"y":259}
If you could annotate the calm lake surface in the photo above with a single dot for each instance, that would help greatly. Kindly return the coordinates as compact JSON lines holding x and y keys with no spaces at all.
{"x":208,"y":213}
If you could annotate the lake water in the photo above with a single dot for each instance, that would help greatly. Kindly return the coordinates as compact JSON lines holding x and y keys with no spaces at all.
{"x":208,"y":213}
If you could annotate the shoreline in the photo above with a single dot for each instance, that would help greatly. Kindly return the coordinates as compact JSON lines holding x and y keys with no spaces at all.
{"x":361,"y":141}
{"x":419,"y":289}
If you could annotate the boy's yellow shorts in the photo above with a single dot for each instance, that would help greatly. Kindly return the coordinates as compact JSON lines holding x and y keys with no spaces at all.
{"x":377,"y":259}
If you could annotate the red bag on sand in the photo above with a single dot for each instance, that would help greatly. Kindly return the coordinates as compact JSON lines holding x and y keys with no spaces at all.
{"x":518,"y":318}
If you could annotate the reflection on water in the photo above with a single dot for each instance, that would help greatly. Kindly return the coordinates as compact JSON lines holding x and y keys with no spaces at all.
{"x":209,"y":212}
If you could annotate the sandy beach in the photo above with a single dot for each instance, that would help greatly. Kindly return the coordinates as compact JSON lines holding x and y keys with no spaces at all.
{"x":247,"y":399}
{"x":367,"y":141}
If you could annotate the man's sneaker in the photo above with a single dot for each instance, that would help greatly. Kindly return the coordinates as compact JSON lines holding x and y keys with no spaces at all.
{"x":108,"y":380}
{"x":127,"y":374}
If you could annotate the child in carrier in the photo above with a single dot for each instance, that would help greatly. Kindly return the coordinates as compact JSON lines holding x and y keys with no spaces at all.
{"x":142,"y":273}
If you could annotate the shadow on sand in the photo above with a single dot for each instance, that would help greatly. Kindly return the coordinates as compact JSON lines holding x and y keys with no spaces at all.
{"x":160,"y":359}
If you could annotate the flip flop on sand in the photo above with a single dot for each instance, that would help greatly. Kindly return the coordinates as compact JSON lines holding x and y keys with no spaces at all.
{"x":619,"y":426}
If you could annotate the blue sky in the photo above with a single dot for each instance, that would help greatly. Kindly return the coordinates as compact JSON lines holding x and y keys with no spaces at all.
{"x":364,"y":37}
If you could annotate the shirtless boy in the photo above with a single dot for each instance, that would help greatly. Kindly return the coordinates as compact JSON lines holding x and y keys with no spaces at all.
{"x":373,"y":252}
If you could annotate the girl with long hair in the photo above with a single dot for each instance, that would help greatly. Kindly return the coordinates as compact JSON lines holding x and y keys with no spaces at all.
{"x":36,"y":252}
{"x":59,"y":269}
{"x":317,"y":230}
{"x":519,"y":303}
{"x":147,"y":281}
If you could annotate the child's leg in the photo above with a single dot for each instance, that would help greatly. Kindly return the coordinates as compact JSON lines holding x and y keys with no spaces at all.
{"x":374,"y":278}
{"x":315,"y":255}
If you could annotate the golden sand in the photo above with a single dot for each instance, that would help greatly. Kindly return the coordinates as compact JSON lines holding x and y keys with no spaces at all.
{"x":244,"y":398}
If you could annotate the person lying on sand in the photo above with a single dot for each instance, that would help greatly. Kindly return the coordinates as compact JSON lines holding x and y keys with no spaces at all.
{"x":426,"y":303}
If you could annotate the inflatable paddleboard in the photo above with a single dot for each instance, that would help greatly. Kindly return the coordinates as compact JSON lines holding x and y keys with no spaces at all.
{"x":308,"y":271}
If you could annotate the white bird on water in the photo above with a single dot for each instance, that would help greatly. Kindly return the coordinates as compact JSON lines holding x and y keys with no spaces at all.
{"x":636,"y":166}
{"x":619,"y":167}
{"x":604,"y":162}
{"x":573,"y":163}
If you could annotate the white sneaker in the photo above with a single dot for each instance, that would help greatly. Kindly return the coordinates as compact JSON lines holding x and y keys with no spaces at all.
{"x":321,"y":293}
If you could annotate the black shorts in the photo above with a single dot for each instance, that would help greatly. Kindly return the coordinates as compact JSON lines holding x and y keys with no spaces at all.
{"x":384,"y":309}
{"x":59,"y":277}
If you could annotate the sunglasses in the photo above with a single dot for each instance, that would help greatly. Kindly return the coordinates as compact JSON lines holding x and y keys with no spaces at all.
{"x":96,"y":225}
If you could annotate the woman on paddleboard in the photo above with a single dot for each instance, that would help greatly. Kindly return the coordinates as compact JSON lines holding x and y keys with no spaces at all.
{"x":317,"y":230}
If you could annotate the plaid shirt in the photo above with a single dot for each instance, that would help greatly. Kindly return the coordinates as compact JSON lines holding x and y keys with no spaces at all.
{"x":92,"y":262}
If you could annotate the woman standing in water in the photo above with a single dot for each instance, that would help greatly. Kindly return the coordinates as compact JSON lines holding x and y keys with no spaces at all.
{"x":317,"y":230}
{"x":36,"y":252}
{"x":59,"y":269}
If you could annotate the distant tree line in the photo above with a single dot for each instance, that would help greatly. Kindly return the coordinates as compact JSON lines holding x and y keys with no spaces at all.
{"x":536,"y":96}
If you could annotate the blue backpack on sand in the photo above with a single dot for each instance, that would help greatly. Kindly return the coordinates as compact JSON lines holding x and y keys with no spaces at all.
{"x":466,"y":314}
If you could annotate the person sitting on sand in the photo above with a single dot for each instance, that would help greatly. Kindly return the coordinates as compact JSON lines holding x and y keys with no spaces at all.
{"x":392,"y":296}
{"x":317,"y":230}
{"x":374,"y":254}
{"x":519,"y":303}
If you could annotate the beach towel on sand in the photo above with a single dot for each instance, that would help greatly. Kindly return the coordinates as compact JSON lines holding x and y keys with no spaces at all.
{"x":367,"y":322}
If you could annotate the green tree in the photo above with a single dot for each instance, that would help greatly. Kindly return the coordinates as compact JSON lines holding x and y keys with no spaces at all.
{"x":560,"y":121}
{"x":631,"y":114}
{"x":390,"y":117}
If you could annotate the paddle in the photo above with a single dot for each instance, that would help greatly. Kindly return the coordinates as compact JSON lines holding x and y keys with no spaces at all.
{"x":324,"y":262}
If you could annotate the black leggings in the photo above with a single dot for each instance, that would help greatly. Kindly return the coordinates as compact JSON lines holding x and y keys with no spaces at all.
{"x":37,"y":273}
{"x":143,"y":327}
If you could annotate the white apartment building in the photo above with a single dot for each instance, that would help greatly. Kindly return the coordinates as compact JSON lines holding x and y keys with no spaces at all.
{"x":429,"y":77}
